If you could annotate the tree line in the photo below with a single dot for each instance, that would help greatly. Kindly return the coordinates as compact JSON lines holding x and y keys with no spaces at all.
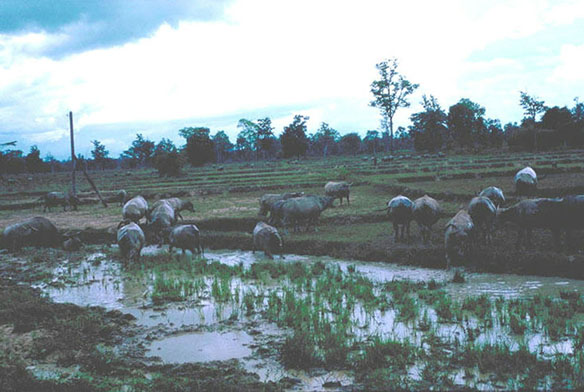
{"x":464,"y":127}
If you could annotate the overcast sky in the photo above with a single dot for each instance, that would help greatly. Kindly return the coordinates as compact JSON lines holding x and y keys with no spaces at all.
{"x":154,"y":66}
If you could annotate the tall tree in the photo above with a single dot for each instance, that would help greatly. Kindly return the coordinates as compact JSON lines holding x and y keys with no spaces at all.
{"x":247,"y":138}
{"x":167,"y":159}
{"x":350,"y":143}
{"x":99,"y":153}
{"x":222,"y":146}
{"x":466,"y":122}
{"x":294,"y":140}
{"x":324,"y":140}
{"x":265,"y":136}
{"x":34,"y":163}
{"x":429,"y":127}
{"x":531,"y":108}
{"x":372,"y":141}
{"x":140,"y":152}
{"x":390,"y":93}
{"x":199,"y":148}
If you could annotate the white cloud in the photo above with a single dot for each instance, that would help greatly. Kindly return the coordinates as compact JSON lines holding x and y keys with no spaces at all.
{"x":264,"y":54}
{"x":570,"y":66}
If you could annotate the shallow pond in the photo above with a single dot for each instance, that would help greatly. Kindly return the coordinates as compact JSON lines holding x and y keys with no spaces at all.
{"x":203,"y":327}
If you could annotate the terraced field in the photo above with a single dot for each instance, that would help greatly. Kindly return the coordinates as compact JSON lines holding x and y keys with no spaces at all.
{"x":226,"y":203}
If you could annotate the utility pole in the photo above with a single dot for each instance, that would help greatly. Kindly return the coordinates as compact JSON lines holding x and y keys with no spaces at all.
{"x":73,"y":160}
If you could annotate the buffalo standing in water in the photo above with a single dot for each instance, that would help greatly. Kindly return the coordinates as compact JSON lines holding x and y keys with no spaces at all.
{"x":525,"y":182}
{"x":185,"y":237}
{"x":338,"y":189}
{"x":483,"y":212}
{"x":426,"y":212}
{"x":535,"y":213}
{"x":38,"y":231}
{"x":54,"y":199}
{"x":135,"y":209}
{"x":400,"y":211}
{"x":267,"y":238}
{"x":303,"y":209}
{"x":458,"y":237}
{"x":161,"y":219}
{"x":494,"y":194}
{"x":177,"y":204}
{"x":131,"y":240}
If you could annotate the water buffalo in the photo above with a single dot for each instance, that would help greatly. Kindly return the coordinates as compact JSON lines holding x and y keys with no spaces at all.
{"x":400,"y":211}
{"x":267,"y":238}
{"x":483,"y":213}
{"x":426,"y":212}
{"x":338,"y":189}
{"x":135,"y":209}
{"x":572,"y":214}
{"x":525,"y":182}
{"x":534,"y":213}
{"x":72,"y":243}
{"x":38,"y":231}
{"x":185,"y":237}
{"x":494,"y":194}
{"x":54,"y":199}
{"x":305,"y":208}
{"x":458,"y":237}
{"x":131,"y":240}
{"x":160,"y":219}
{"x":177,"y":204}
{"x":267,"y":201}
{"x":122,"y":196}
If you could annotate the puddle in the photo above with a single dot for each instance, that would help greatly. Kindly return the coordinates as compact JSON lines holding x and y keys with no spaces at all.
{"x":102,"y":282}
{"x":202,"y":347}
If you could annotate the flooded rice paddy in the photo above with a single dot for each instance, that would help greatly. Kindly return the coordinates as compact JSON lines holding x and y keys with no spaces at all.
{"x":320,"y":322}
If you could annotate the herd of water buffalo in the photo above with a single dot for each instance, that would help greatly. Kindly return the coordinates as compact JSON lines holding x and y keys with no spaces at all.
{"x":463,"y":232}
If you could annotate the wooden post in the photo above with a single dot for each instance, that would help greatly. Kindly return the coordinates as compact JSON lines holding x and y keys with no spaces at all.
{"x":73,"y":160}
{"x":92,"y":183}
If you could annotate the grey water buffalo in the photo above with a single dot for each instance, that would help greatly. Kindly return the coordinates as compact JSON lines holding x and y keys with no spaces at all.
{"x":185,"y":237}
{"x":160,"y":219}
{"x":494,"y":194}
{"x":177,"y":204}
{"x":54,"y":199}
{"x":458,"y":237}
{"x":534,"y":213}
{"x":267,"y":238}
{"x":72,"y":243}
{"x":338,"y":190}
{"x":483,"y":213}
{"x":38,"y":231}
{"x":122,"y":196}
{"x":135,"y":209}
{"x":426,"y":212}
{"x":400,"y":211}
{"x":303,"y":209}
{"x":131,"y":240}
{"x":525,"y":182}
{"x":267,"y":201}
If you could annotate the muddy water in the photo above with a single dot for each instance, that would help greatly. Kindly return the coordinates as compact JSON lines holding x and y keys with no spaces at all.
{"x":200,"y":329}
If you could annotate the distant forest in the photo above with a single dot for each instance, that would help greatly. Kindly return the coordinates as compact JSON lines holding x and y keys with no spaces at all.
{"x":464,"y":128}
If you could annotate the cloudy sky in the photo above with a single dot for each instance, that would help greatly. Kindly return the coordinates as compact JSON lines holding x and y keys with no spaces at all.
{"x":155,"y":66}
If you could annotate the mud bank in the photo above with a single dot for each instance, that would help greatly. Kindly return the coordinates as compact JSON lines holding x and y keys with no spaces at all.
{"x":500,"y":259}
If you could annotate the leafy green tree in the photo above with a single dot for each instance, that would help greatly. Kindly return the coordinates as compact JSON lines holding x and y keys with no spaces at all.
{"x":390,"y":93}
{"x":466,"y":122}
{"x":247,"y":138}
{"x":324,"y":140}
{"x":531,"y":106}
{"x":33,"y":161}
{"x":167,"y":160}
{"x":199,"y":148}
{"x":294,"y":140}
{"x":350,"y":143}
{"x":372,"y":141}
{"x":140,"y":152}
{"x":99,"y":154}
{"x":222,"y":146}
{"x":428,"y":127}
{"x":265,"y":141}
{"x":562,"y":122}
